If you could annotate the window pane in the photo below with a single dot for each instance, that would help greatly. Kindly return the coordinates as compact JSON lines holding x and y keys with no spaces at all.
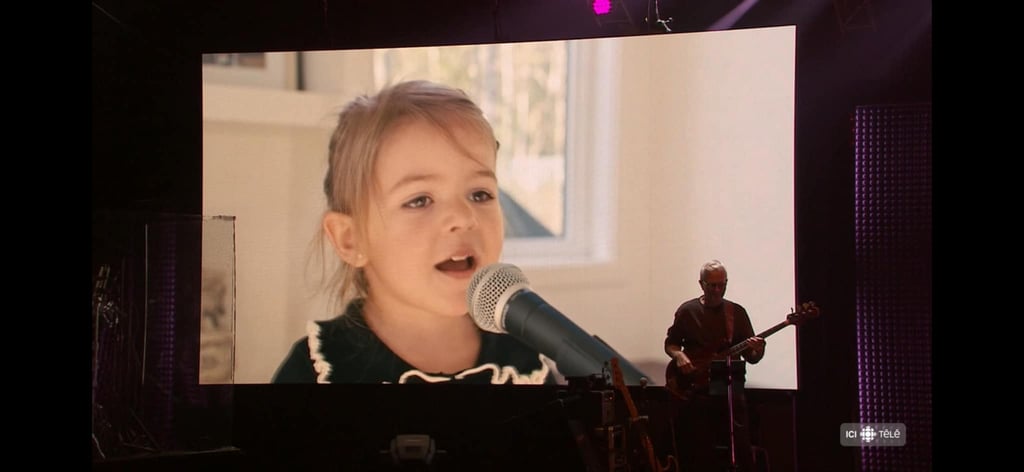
{"x":522,"y":89}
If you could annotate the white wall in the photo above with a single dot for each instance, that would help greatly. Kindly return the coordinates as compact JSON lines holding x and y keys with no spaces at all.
{"x":704,"y":170}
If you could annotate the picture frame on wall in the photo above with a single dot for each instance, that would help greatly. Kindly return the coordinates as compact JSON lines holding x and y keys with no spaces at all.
{"x":276,"y":70}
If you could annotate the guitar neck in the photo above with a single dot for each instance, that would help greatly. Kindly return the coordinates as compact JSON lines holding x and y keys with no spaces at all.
{"x":742,"y":346}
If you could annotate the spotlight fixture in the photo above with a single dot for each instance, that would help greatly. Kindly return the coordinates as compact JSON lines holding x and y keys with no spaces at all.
{"x":607,"y":12}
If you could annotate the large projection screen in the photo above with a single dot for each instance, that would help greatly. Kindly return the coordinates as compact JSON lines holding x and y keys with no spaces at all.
{"x":688,"y":157}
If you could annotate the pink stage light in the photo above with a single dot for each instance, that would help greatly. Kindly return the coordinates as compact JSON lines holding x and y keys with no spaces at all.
{"x":601,"y":7}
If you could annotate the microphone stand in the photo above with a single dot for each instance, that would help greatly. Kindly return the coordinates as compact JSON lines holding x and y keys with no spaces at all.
{"x":732,"y":419}
{"x":725,"y":384}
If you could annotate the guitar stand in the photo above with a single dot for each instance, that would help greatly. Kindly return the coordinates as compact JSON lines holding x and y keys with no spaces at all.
{"x":727,"y":377}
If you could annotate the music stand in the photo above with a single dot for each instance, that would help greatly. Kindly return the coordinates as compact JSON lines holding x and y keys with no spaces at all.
{"x":725,"y":373}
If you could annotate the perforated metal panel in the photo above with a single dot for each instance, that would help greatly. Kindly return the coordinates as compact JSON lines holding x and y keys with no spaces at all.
{"x":146,"y":395}
{"x":893,"y":211}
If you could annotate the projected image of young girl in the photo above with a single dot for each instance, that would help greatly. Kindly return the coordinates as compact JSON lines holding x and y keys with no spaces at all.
{"x":412,"y":213}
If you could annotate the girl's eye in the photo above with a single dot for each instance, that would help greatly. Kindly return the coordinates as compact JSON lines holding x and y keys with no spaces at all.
{"x":418,"y":202}
{"x":481,"y":196}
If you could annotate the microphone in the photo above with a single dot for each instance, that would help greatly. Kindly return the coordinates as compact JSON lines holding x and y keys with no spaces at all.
{"x":500,"y":301}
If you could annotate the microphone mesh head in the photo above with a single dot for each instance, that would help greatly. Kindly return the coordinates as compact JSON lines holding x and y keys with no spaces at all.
{"x":491,"y":286}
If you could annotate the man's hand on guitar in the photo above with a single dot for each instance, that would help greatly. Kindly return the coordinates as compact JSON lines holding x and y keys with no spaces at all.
{"x":756,"y":347}
{"x":683,"y":363}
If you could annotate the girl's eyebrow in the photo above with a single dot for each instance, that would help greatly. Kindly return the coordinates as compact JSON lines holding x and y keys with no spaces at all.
{"x":413,"y":178}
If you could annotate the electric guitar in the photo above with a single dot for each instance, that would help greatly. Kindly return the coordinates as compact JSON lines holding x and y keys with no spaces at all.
{"x":682,"y":385}
{"x":634,"y":416}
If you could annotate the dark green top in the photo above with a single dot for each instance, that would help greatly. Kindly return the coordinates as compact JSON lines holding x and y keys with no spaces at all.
{"x":345,"y":350}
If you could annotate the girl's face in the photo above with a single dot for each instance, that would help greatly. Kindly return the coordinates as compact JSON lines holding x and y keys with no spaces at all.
{"x":434,"y":219}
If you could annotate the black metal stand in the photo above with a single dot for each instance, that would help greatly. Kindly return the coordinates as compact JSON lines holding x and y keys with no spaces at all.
{"x":727,"y":378}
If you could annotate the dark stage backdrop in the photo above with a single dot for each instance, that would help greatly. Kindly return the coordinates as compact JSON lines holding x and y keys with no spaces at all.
{"x":147,"y":140}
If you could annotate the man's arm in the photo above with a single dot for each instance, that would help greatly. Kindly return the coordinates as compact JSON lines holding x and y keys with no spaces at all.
{"x":674,"y":349}
{"x":755,"y":352}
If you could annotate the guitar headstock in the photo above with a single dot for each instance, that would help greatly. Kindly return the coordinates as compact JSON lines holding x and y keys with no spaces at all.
{"x":806,"y":311}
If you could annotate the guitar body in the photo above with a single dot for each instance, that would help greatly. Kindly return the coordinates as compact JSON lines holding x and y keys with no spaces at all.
{"x":685,"y":384}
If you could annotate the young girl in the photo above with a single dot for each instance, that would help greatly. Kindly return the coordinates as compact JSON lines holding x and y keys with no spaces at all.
{"x":412,"y":214}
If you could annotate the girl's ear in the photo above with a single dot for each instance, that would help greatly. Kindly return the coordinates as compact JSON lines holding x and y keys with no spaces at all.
{"x":341,"y":230}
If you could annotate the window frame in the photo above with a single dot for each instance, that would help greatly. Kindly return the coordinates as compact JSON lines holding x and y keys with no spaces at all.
{"x":591,"y":157}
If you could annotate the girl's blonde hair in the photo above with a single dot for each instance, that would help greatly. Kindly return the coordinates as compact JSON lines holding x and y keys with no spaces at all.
{"x":363,"y":124}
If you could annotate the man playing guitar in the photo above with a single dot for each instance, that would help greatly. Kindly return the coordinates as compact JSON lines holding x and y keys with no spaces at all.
{"x":712,"y":430}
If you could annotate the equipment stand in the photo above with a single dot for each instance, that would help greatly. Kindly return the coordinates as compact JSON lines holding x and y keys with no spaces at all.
{"x":727,"y":378}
